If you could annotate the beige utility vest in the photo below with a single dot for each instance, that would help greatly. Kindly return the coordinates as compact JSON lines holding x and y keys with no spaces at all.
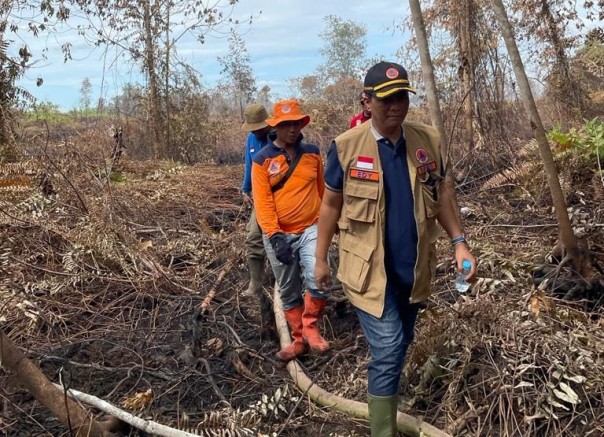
{"x":362,"y":220}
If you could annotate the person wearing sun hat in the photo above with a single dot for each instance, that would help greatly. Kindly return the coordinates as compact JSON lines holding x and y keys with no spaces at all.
{"x":385,"y":195}
{"x":287,"y":186}
{"x":254,"y":117}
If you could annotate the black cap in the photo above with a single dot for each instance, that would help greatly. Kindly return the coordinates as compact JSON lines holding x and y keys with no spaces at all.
{"x":385,"y":79}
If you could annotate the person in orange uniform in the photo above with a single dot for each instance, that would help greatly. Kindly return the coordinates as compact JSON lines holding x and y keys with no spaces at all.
{"x":287,"y":187}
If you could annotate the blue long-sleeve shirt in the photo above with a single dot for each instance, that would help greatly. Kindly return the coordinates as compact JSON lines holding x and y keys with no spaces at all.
{"x":252,"y":146}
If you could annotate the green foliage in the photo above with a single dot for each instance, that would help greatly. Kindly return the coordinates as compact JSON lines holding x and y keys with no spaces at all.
{"x":11,"y":70}
{"x":48,"y":112}
{"x":344,"y":48}
{"x":90,"y":113}
{"x":344,"y":59}
{"x":593,"y":50}
{"x":236,"y":64}
{"x":117,"y":177}
{"x":51,"y":113}
{"x":586,"y":141}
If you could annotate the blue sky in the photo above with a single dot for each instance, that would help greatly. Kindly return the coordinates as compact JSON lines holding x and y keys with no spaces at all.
{"x":283,"y":43}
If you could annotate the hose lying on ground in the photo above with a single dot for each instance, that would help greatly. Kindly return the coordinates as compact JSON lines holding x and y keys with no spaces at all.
{"x":405,"y":423}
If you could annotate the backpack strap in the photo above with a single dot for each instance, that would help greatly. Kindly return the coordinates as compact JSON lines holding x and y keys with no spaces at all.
{"x":289,"y":172}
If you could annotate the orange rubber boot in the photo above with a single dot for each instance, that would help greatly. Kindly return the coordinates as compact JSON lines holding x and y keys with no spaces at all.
{"x":298,"y":347}
{"x":313,"y":310}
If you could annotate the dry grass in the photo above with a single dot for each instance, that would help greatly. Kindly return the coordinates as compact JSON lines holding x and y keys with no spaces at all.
{"x":101,"y":280}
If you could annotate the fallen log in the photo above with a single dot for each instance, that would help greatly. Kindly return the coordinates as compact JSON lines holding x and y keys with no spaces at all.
{"x":79,"y":421}
{"x":405,"y":423}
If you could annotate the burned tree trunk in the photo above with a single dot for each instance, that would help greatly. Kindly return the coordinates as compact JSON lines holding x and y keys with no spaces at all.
{"x":574,"y":253}
{"x":78,"y":420}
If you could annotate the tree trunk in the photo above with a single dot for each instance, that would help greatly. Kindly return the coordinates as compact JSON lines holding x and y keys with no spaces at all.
{"x":78,"y":420}
{"x":432,"y":96}
{"x":566,"y":85}
{"x":565,"y":230}
{"x":8,"y":152}
{"x":467,"y":72}
{"x":428,"y":74}
{"x":154,"y":103}
{"x":168,"y":146}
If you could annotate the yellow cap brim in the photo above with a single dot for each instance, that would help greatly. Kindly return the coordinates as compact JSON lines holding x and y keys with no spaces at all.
{"x":394,"y":90}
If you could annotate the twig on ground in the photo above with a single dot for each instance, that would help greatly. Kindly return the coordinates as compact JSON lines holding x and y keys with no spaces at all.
{"x":460,"y":423}
{"x":205,"y":305}
{"x":293,"y":410}
{"x":137,"y":422}
{"x":157,"y":373}
{"x":210,"y":378}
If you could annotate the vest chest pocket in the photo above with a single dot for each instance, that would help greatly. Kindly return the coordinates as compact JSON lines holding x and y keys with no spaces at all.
{"x":355,"y":260}
{"x":360,"y":201}
{"x":430,"y":195}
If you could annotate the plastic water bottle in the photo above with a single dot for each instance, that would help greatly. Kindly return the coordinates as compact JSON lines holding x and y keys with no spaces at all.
{"x":460,"y":281}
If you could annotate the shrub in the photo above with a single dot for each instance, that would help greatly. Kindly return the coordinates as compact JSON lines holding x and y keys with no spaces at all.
{"x":586,"y":141}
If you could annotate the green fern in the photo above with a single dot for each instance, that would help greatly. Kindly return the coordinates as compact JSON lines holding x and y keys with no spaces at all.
{"x":586,"y":141}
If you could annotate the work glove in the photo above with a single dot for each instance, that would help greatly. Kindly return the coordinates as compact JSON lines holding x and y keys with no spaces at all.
{"x":283,"y":250}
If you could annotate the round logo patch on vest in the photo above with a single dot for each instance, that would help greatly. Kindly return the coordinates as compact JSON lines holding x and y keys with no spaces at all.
{"x":392,"y":73}
{"x":422,"y":155}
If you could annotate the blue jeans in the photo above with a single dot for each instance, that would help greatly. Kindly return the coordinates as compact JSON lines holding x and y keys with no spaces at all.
{"x":293,"y":277}
{"x":389,"y":338}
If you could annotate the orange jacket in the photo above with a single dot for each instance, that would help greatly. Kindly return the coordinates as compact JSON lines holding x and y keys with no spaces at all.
{"x":296,"y":205}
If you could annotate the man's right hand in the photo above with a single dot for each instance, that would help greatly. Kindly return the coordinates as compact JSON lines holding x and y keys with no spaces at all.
{"x":322,"y":275}
{"x":283,"y":250}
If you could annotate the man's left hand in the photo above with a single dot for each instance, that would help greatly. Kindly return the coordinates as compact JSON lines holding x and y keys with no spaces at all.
{"x":463,"y":252}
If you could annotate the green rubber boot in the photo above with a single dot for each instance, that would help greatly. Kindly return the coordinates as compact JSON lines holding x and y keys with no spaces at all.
{"x":382,"y":415}
{"x":256,"y":269}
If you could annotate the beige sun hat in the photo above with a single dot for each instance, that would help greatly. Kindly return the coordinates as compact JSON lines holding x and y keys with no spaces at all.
{"x":254,"y":117}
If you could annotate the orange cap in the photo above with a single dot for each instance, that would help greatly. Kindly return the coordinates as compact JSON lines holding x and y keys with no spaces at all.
{"x":287,"y":110}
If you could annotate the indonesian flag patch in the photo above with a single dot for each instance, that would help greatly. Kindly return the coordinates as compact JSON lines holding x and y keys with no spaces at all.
{"x":365,"y":162}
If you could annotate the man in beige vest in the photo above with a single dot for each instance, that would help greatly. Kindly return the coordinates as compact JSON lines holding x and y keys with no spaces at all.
{"x":384,"y":194}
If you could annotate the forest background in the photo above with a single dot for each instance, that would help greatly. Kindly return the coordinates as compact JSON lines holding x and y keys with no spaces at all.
{"x":71,"y":230}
